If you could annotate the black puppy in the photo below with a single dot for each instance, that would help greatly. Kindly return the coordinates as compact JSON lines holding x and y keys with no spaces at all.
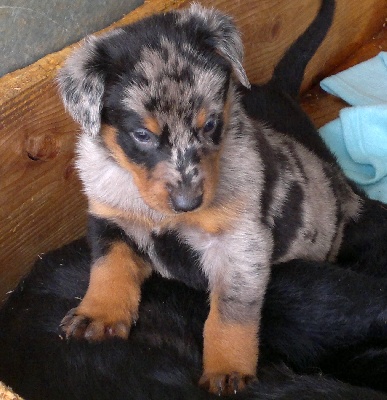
{"x":168,"y":153}
{"x":317,"y":318}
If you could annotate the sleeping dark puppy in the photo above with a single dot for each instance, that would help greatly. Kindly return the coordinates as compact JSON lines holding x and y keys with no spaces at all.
{"x":317,"y":319}
{"x":170,"y":157}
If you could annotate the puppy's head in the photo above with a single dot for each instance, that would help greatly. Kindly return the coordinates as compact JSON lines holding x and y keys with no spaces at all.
{"x":157,"y":95}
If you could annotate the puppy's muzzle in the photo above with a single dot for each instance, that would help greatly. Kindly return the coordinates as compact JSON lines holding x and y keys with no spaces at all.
{"x":186,"y":197}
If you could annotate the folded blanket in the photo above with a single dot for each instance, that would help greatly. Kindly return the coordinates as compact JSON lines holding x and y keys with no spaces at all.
{"x":358,"y":137}
{"x":362,"y":85}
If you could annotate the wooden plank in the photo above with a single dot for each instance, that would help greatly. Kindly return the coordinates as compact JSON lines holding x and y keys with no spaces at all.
{"x":323,"y":107}
{"x":40,"y":202}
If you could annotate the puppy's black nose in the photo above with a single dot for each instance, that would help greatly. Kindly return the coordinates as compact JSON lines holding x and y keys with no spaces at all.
{"x":185,"y":199}
{"x":184,"y":203}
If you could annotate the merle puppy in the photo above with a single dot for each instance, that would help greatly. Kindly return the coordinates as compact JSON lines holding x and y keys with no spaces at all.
{"x":172,"y":160}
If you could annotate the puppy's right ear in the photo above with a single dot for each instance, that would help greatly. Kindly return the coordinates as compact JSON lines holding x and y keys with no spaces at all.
{"x":81,"y":85}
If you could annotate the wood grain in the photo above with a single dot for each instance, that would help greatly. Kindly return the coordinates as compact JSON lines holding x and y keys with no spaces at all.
{"x":323,"y":107}
{"x":269,"y":27}
{"x":41,"y":205}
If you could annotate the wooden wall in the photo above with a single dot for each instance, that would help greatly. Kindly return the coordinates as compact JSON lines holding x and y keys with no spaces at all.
{"x":41,"y":205}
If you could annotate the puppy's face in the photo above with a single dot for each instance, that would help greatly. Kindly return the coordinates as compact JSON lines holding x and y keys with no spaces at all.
{"x":157,"y":95}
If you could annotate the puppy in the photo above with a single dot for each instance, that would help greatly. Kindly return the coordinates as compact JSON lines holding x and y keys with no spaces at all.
{"x":170,"y":160}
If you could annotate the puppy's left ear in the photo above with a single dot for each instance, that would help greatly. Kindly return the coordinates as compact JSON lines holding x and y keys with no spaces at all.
{"x":222,"y":35}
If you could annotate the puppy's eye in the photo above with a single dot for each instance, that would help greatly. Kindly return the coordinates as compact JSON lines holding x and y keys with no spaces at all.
{"x":142,"y":136}
{"x":209,"y":126}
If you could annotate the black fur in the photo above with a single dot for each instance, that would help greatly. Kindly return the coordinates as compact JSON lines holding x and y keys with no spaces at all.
{"x":293,"y":207}
{"x":184,"y":260}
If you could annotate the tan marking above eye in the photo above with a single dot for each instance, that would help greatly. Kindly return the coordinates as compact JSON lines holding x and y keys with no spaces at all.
{"x":227,"y":110}
{"x":152,"y":125}
{"x":201,"y":118}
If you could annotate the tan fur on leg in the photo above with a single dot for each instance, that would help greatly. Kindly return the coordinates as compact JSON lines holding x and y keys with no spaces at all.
{"x":111,"y":302}
{"x":230,"y":352}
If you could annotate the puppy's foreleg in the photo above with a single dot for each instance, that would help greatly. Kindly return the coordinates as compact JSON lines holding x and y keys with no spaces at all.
{"x":238,"y":268}
{"x":110,"y":305}
{"x":230,"y":353}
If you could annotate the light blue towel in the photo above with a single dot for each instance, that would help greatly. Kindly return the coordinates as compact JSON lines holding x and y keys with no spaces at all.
{"x":358,"y":137}
{"x":362,"y":85}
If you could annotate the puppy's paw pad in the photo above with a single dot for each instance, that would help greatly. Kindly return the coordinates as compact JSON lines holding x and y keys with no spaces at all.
{"x":225,"y":384}
{"x":92,"y":329}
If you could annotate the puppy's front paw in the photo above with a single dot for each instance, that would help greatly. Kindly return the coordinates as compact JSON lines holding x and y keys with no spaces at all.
{"x":225,"y":384}
{"x":80,"y":325}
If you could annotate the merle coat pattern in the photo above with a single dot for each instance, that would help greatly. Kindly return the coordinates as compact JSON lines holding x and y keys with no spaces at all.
{"x":168,"y":148}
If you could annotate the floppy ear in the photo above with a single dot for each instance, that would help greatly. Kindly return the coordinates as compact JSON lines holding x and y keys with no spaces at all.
{"x":81,"y":85}
{"x":223,"y":36}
